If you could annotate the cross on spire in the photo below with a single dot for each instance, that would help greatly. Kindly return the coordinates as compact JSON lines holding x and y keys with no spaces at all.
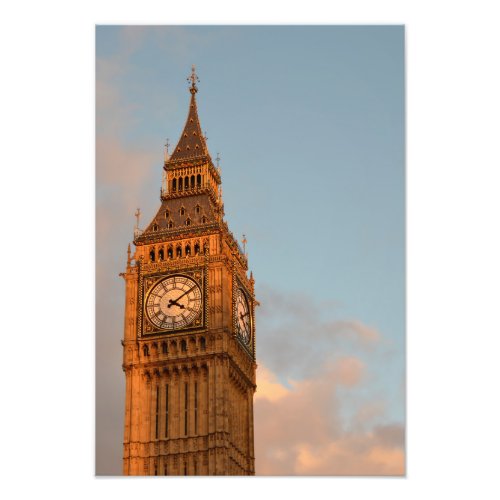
{"x":244,"y":241}
{"x":193,"y":79}
{"x":217,"y":159}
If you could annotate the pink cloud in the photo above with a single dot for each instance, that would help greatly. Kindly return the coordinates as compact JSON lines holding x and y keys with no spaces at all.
{"x":300,"y":429}
{"x":123,"y":166}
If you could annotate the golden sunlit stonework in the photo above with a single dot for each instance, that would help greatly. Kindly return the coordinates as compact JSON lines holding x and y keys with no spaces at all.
{"x":189,"y":333}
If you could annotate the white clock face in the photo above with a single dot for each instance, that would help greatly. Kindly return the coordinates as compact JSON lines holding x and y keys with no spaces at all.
{"x":175,"y":302}
{"x":243,"y":319}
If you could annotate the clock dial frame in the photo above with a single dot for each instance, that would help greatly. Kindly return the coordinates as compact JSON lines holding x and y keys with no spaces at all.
{"x":174,"y":302}
{"x":243,"y":317}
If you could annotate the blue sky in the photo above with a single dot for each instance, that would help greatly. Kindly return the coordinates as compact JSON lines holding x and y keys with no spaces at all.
{"x":309,"y":123}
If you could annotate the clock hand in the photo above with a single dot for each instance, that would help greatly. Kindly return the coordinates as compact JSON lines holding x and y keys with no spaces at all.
{"x":172,"y":302}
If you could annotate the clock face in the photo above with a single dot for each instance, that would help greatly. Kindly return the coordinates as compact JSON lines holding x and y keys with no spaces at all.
{"x":174,"y":302}
{"x":243,"y":319}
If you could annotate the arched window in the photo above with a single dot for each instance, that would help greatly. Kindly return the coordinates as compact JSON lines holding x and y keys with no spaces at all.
{"x":188,"y":221}
{"x":170,"y":252}
{"x":186,"y":182}
{"x":183,"y":345}
{"x":146,"y":350}
{"x":182,"y":211}
{"x":188,"y":250}
{"x":197,"y":209}
{"x":170,"y":224}
{"x":180,"y":183}
{"x":152,"y":255}
{"x":203,"y":343}
{"x":203,"y":220}
{"x":179,"y":251}
{"x":155,"y":227}
{"x":167,"y":214}
{"x":174,"y":185}
{"x":192,"y":182}
{"x":160,"y":254}
{"x":196,"y":248}
{"x":164,"y":348}
{"x":198,"y":180}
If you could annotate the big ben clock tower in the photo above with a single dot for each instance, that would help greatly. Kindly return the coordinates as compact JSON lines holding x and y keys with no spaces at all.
{"x":189,"y":334}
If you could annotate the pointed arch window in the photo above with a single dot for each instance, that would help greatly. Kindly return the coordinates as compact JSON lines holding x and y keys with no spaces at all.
{"x":195,"y":414}
{"x":182,"y":211}
{"x":183,"y":345}
{"x":166,"y":417}
{"x":157,"y":417}
{"x":192,"y":182}
{"x":161,"y":254}
{"x":155,"y":227}
{"x":152,"y":255}
{"x":188,"y":250}
{"x":203,"y":220}
{"x":170,"y":224}
{"x":188,"y":221}
{"x":197,"y":209}
{"x":196,"y":248}
{"x":167,"y":214}
{"x":179,"y":251}
{"x":170,"y":252}
{"x":174,"y":185}
{"x":186,"y":182}
{"x":198,"y":180}
{"x":180,"y":183}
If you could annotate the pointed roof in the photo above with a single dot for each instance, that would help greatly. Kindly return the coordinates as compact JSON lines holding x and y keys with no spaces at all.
{"x":192,"y":143}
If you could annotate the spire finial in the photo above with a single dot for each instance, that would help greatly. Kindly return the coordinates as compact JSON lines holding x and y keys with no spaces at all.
{"x":128,"y":256}
{"x":137,"y":231}
{"x":193,"y":79}
{"x":218,"y":159}
{"x":167,"y":144}
{"x":137,"y":215}
{"x":244,"y":241}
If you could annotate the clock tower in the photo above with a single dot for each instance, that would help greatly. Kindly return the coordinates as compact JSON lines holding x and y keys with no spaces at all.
{"x":189,"y":333}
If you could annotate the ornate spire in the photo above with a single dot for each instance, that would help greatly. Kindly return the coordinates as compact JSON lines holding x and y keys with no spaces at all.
{"x":192,"y":143}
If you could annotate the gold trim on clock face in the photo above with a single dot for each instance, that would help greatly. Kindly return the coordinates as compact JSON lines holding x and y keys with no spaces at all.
{"x":243,"y":317}
{"x":174,"y":302}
